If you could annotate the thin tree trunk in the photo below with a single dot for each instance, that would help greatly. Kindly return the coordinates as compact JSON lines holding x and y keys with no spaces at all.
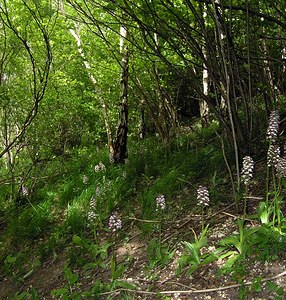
{"x":120,"y":143}
{"x":227,"y":94}
{"x":267,"y":70}
{"x":76,"y":35}
{"x":204,"y":109}
{"x":142,"y":125}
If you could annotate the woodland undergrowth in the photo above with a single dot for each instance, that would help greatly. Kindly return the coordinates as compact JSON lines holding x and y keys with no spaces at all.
{"x":85,"y":207}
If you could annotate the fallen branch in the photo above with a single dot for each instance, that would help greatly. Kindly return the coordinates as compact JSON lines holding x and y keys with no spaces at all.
{"x":193,"y":291}
{"x":191,"y":218}
{"x":144,"y":221}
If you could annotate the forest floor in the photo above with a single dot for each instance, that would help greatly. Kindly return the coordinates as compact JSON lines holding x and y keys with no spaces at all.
{"x":157,"y":280}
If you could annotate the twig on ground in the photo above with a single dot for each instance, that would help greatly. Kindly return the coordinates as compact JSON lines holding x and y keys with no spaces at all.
{"x":235,"y":217}
{"x":144,"y":221}
{"x":193,"y":291}
{"x":190,"y":219}
{"x":220,"y":211}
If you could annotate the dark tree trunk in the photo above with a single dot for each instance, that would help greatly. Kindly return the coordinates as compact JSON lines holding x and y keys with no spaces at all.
{"x":142,"y":126}
{"x":120,"y":143}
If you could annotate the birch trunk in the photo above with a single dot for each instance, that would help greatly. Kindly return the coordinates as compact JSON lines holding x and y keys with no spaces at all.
{"x":76,"y":35}
{"x":204,"y":109}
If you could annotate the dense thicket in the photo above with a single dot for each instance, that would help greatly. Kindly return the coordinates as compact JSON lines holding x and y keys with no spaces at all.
{"x":68,"y":68}
{"x":130,"y":133}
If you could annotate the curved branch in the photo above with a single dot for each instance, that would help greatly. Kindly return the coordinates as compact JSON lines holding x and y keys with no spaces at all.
{"x":247,"y":10}
{"x":39,"y":85}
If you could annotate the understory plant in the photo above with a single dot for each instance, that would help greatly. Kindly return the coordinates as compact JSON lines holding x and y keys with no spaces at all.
{"x":193,"y":257}
{"x":238,"y":247}
{"x":270,"y":211}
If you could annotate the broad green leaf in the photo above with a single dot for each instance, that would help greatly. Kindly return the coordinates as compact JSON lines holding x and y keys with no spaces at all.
{"x":271,"y":286}
{"x":70,"y":276}
{"x":77,"y":240}
{"x":22,"y":295}
{"x":125,"y":285}
{"x":192,"y":269}
{"x":59,"y":292}
{"x":231,"y":260}
{"x":228,"y":254}
{"x":194,"y":251}
{"x":35,"y":295}
{"x":202,"y":242}
{"x":209,"y":257}
{"x":264,"y":212}
{"x":10,"y":259}
{"x":119,"y":271}
{"x":231,"y":241}
{"x":256,"y":285}
{"x":37,"y":2}
{"x":91,"y":265}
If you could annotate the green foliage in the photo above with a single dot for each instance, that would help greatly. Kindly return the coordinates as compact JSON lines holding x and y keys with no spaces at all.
{"x":238,"y":247}
{"x":264,"y":213}
{"x":158,"y":254}
{"x":87,"y":254}
{"x":32,"y":223}
{"x":30,"y":295}
{"x":67,"y":292}
{"x":193,"y":258}
{"x":9,"y":263}
{"x":279,"y":292}
{"x":243,"y":292}
{"x":76,"y":220}
{"x":117,"y":270}
{"x":53,"y":121}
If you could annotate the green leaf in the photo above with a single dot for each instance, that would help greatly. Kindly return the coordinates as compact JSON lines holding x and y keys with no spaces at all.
{"x":183,"y":261}
{"x":48,"y":11}
{"x":271,"y":286}
{"x":70,"y":276}
{"x":10,"y":259}
{"x":231,"y":241}
{"x":217,"y":251}
{"x":192,"y":269}
{"x":249,"y":232}
{"x":125,"y":285}
{"x":119,"y":271}
{"x":264,"y":212}
{"x":227,"y":254}
{"x":208,"y":258}
{"x":103,"y":252}
{"x":35,"y":295}
{"x":59,"y":292}
{"x":202,"y":242}
{"x":102,"y":265}
{"x":280,"y":291}
{"x":230,"y":262}
{"x":37,"y":2}
{"x":194,"y":251}
{"x":91,"y":265}
{"x":204,"y":231}
{"x":22,"y":295}
{"x":256,"y":285}
{"x":77,"y":240}
{"x":28,"y":274}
